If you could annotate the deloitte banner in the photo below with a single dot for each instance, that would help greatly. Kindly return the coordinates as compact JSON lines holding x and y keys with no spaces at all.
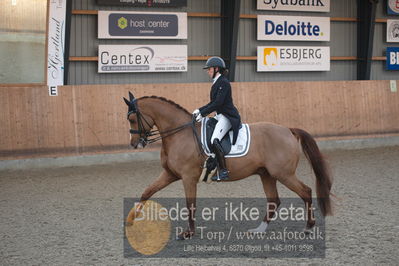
{"x":393,"y":7}
{"x":295,"y":5}
{"x":392,"y":58}
{"x":293,"y":58}
{"x":142,"y":58}
{"x":292,"y":28}
{"x":392,"y":30}
{"x":141,"y":25}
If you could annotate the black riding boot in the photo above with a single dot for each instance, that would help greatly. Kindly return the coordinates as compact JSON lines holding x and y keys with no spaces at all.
{"x":218,"y":150}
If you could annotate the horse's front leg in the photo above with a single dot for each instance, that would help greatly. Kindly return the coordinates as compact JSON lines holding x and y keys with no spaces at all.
{"x":162,"y":181}
{"x":190,"y":189}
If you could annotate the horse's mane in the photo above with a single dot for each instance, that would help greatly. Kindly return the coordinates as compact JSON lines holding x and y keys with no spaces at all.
{"x":167,"y":101}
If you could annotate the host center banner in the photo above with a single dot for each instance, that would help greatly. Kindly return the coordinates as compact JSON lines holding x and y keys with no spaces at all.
{"x":142,"y":58}
{"x":293,"y":58}
{"x":293,"y":28}
{"x":141,"y":25}
{"x":143,"y":3}
{"x":295,"y":5}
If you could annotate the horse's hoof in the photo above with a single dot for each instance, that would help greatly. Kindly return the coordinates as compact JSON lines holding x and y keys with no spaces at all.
{"x":308,"y":230}
{"x":309,"y":227}
{"x":185,"y":235}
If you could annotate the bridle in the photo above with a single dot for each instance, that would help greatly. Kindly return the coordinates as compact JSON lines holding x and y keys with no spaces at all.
{"x":145,"y":135}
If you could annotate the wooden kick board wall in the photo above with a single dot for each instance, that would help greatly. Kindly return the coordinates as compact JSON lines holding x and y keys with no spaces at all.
{"x":92,"y":118}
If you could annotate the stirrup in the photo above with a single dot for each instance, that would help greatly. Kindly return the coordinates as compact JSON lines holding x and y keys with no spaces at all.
{"x":221,"y":177}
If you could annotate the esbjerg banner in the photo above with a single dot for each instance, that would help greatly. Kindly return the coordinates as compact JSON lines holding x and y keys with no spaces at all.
{"x":293,"y":58}
{"x":293,"y":28}
{"x":392,"y":30}
{"x":295,"y":5}
{"x":142,"y":58}
{"x":142,"y":25}
{"x":393,"y":7}
{"x":56,"y":43}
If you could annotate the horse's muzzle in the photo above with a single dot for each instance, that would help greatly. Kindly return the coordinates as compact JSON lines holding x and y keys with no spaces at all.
{"x":140,"y":144}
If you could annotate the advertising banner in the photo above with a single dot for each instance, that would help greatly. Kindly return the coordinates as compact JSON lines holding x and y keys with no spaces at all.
{"x":141,"y":25}
{"x":142,"y":58}
{"x":293,"y":28}
{"x":392,"y":58}
{"x":295,"y":5}
{"x":56,"y":43}
{"x":143,"y":3}
{"x":293,"y":58}
{"x":392,"y":30}
{"x":393,"y":7}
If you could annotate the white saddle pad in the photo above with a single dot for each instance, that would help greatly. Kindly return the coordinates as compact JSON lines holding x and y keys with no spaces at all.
{"x":237,"y":150}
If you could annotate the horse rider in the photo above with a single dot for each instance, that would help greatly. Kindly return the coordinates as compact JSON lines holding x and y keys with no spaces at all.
{"x":227,"y":114}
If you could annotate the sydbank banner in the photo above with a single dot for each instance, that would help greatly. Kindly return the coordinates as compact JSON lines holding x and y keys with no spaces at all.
{"x":393,"y":7}
{"x":392,"y":30}
{"x":56,"y":42}
{"x":293,"y":28}
{"x":141,"y":25}
{"x":392,"y":58}
{"x":295,"y":5}
{"x":293,"y":58}
{"x":142,"y":58}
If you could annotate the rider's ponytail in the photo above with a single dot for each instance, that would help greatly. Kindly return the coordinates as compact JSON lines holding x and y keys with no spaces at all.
{"x":224,"y":71}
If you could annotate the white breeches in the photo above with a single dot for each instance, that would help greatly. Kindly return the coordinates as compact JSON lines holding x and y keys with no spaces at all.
{"x":222,"y":127}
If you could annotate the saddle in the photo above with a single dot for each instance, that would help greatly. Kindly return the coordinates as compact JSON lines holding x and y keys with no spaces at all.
{"x":239,"y":149}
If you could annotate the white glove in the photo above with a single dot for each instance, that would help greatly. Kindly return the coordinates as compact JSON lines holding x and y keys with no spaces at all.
{"x":199,"y":117}
{"x":196,"y":112}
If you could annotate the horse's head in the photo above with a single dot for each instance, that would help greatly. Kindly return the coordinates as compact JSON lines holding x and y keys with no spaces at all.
{"x":140,"y":124}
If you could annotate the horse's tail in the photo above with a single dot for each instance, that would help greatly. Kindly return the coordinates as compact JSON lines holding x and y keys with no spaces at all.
{"x":320,"y":169}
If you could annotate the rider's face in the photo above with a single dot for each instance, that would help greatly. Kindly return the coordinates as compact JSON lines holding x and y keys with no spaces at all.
{"x":210,"y":71}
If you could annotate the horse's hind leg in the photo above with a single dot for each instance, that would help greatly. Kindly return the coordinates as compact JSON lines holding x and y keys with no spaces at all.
{"x":162,"y":181}
{"x":273,"y":200}
{"x":304,"y":192}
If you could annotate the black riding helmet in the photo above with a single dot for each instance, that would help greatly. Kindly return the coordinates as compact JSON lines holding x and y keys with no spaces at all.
{"x":215,"y":61}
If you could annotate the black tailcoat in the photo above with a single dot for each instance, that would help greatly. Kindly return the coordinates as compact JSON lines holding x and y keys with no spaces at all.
{"x":222,"y":103}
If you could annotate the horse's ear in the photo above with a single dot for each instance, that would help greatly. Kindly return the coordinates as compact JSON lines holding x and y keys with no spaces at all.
{"x":131,"y":97}
{"x":126,"y":101}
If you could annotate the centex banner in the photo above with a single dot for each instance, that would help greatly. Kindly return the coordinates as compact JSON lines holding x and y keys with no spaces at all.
{"x":142,"y":58}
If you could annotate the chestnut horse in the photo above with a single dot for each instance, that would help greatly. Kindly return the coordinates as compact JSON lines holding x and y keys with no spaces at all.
{"x":273,"y":155}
